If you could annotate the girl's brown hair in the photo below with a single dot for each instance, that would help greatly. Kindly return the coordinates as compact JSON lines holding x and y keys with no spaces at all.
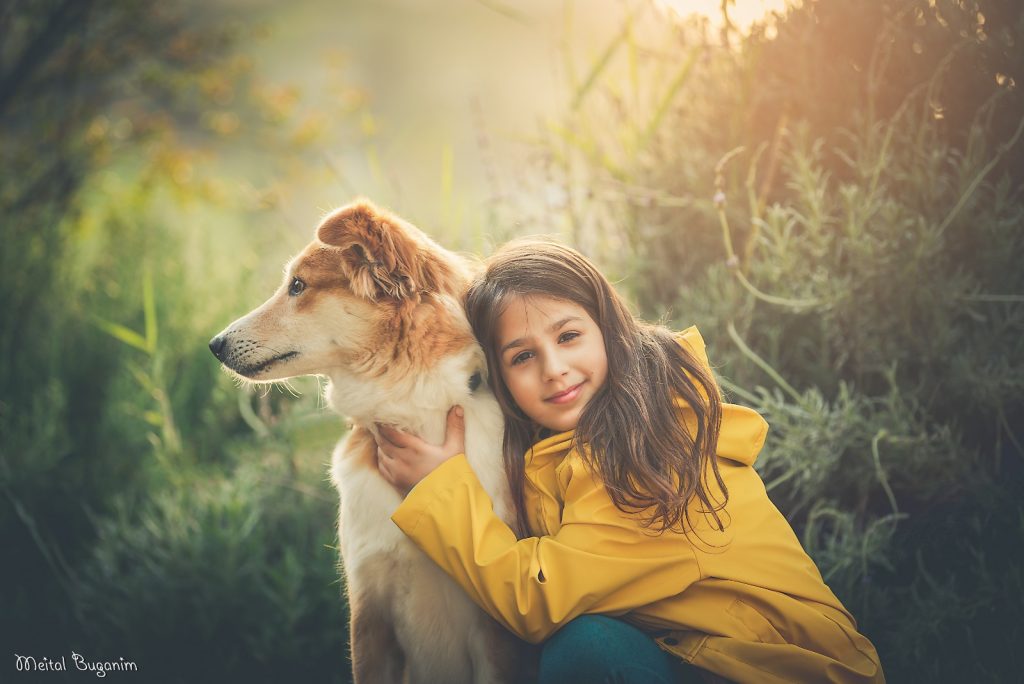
{"x":644,"y":454}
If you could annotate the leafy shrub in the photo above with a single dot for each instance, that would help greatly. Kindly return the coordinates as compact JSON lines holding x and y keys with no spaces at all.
{"x":230,"y":577}
{"x":838,"y":205}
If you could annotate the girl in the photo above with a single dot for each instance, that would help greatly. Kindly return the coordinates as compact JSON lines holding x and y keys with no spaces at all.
{"x":647,"y":548}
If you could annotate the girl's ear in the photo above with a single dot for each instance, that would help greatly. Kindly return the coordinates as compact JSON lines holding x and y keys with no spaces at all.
{"x":382,"y":255}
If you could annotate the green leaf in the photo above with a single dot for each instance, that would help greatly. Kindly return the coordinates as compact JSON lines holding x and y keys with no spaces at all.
{"x":120,"y":332}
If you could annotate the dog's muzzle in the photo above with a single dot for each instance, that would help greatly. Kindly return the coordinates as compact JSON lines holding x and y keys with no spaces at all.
{"x":246,"y":357}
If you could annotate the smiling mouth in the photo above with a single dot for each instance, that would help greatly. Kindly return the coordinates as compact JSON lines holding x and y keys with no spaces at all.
{"x":250,"y":371}
{"x":566,"y":396}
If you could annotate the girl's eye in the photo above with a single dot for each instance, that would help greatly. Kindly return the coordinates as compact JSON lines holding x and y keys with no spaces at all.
{"x":520,"y":357}
{"x":567,"y":336}
{"x":296,"y":288}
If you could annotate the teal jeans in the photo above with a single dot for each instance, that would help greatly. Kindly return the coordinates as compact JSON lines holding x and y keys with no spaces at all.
{"x":596,"y":649}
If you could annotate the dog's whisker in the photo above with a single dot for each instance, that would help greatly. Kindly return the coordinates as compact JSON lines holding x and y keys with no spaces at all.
{"x":294,"y":392}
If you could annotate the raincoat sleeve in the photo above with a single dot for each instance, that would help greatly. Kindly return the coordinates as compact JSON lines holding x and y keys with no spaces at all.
{"x":600,"y":560}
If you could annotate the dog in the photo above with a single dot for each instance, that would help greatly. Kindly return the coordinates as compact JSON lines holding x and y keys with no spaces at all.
{"x":375,"y":306}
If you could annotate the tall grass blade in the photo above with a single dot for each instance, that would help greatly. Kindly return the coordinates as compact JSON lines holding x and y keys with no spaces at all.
{"x":601,"y":64}
{"x":149,"y":309}
{"x":120,"y":332}
{"x":677,"y":83}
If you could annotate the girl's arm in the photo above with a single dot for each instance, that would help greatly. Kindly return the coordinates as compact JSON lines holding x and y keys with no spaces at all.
{"x":600,"y":560}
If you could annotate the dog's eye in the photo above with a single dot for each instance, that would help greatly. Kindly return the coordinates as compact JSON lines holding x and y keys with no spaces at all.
{"x":296,"y":287}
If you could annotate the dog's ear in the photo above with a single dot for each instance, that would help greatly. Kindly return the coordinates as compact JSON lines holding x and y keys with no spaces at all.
{"x":382,"y":255}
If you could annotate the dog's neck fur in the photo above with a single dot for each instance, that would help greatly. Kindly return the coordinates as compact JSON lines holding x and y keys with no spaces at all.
{"x":366,"y":394}
{"x":427,"y":395}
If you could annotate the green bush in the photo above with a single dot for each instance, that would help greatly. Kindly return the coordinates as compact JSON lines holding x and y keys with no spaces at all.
{"x":230,"y":577}
{"x":837,"y":205}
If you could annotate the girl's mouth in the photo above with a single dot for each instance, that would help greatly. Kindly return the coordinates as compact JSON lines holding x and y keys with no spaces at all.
{"x":566,"y":396}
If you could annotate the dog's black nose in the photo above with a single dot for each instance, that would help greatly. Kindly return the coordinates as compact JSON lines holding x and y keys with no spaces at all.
{"x":217,"y":345}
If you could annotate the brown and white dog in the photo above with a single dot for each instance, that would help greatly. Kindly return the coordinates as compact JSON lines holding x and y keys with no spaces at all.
{"x":375,"y":305}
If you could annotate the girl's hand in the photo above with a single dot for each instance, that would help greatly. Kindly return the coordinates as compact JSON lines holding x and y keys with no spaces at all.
{"x":403,"y":459}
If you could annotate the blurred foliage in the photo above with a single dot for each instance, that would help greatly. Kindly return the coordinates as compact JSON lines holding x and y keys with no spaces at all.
{"x":244,"y":586}
{"x":135,"y":524}
{"x":835,"y":199}
{"x":838,"y":204}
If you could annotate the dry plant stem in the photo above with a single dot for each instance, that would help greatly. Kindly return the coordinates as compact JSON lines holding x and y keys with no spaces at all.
{"x":757,"y":199}
{"x":733,"y":388}
{"x":1003,"y":149}
{"x":763,"y":365}
{"x":733,"y":260}
{"x":763,"y":296}
{"x":755,"y":205}
{"x":249,"y":416}
{"x":1009,"y":432}
{"x":880,"y":435}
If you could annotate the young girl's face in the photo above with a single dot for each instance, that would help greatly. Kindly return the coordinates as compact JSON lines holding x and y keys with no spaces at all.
{"x":552,"y":358}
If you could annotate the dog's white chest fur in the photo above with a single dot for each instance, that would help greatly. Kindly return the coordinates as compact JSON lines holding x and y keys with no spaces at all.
{"x":444,"y":636}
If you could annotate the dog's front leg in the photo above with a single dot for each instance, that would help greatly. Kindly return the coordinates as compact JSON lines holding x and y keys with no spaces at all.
{"x":377,"y":657}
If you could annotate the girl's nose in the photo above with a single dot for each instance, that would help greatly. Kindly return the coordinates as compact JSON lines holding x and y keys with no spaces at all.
{"x":554,"y":367}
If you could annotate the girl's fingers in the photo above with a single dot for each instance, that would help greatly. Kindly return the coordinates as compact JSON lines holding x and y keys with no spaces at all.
{"x":392,"y":454}
{"x":398,"y":438}
{"x":395,"y":453}
{"x":387,"y":433}
{"x":387,"y":477}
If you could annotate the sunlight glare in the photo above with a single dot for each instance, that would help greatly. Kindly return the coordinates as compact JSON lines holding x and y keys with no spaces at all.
{"x":742,"y":13}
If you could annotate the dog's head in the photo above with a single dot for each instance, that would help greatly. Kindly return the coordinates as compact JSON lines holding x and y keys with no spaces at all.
{"x":370,"y":295}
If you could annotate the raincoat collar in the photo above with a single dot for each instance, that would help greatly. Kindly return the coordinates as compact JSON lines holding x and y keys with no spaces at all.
{"x":555,"y":446}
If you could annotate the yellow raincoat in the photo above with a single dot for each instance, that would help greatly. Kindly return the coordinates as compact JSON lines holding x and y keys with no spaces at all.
{"x":747,"y":604}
